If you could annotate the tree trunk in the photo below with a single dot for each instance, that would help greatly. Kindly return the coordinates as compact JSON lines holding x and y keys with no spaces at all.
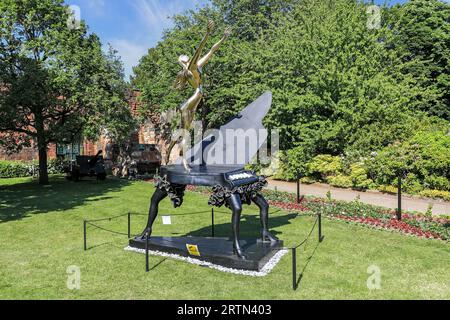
{"x":42,"y":147}
{"x":43,"y":174}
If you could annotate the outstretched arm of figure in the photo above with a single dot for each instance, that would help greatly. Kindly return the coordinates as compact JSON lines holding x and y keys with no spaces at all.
{"x":193,"y":63}
{"x":214,"y":48}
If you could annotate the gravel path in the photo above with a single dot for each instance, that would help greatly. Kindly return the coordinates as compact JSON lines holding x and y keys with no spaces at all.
{"x":409,"y":203}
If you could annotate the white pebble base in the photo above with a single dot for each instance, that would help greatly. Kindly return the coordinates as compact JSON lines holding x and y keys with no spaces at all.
{"x":268,"y":267}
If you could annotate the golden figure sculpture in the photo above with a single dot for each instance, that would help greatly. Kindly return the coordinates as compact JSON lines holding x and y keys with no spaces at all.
{"x":191,"y":74}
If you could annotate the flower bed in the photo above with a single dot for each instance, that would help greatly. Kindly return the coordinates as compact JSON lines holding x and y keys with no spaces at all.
{"x":418,"y":225}
{"x":372,"y":216}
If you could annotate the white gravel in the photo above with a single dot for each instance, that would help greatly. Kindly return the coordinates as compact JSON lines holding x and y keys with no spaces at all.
{"x":264,"y":271}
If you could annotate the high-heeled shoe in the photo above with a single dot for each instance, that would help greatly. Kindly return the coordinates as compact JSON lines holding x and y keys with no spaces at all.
{"x":267,"y":236}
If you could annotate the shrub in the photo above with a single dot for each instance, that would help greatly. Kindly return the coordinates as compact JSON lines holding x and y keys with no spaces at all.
{"x":411,"y":184}
{"x":425,"y":158}
{"x":325,"y":165}
{"x":307,"y":180}
{"x":340,"y":181}
{"x":358,"y":177}
{"x":56,"y":166}
{"x":14,"y":169}
{"x":435,"y":194}
{"x":388,"y":189}
{"x":21,"y":169}
{"x":294,"y":162}
{"x":436,"y":182}
{"x":273,"y":169}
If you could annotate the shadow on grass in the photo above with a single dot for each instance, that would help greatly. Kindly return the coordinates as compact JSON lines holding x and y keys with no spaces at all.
{"x":20,"y":200}
{"x":157,"y":264}
{"x":249,"y":228}
{"x":305,"y":267}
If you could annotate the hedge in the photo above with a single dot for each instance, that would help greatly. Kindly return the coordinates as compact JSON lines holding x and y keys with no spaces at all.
{"x":20,"y":169}
{"x":15,"y":169}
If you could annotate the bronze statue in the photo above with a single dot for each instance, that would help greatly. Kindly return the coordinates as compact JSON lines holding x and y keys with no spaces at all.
{"x":191,"y":74}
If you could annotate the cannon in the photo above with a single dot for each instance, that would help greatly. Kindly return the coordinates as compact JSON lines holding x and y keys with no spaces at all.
{"x":87,"y":166}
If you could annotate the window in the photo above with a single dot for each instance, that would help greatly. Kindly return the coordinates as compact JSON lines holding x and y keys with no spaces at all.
{"x":69,"y":151}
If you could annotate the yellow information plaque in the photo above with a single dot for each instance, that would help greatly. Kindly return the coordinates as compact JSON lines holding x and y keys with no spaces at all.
{"x":193,"y":250}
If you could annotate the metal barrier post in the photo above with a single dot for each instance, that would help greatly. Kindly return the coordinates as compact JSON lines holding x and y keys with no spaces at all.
{"x":129,"y":225}
{"x":399,"y":195}
{"x":212,"y":222}
{"x":320,"y":227}
{"x":294,"y":268}
{"x":84,"y":235}
{"x":147,"y":268}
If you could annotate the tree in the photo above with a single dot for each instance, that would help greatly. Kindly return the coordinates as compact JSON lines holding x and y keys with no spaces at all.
{"x":57,"y":85}
{"x":422,"y":41}
{"x":339,"y":87}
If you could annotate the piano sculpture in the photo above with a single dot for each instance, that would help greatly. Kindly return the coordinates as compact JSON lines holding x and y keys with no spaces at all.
{"x":232,"y":186}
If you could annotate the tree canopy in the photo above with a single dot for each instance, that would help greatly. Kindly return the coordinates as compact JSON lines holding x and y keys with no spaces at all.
{"x":422,"y":41}
{"x":341,"y":86}
{"x":56,"y":83}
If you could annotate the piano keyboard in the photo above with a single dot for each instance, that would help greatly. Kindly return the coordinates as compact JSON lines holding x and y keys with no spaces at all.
{"x":240,"y":178}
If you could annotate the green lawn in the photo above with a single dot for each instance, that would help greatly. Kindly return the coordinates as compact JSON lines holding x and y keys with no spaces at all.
{"x":41,"y":235}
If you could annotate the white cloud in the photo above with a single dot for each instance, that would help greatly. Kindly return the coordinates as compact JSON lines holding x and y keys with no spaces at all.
{"x":97,"y":7}
{"x":157,"y":13}
{"x":152,"y":12}
{"x":155,"y":17}
{"x":130,"y":53}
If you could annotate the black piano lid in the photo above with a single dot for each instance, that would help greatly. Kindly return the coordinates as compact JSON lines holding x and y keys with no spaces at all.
{"x":209,"y":175}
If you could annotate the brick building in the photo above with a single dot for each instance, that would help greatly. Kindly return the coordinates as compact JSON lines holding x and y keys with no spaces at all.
{"x":54,"y":150}
{"x":147,"y":134}
{"x":144,"y":139}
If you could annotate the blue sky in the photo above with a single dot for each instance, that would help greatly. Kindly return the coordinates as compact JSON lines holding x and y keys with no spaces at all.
{"x":134,"y":26}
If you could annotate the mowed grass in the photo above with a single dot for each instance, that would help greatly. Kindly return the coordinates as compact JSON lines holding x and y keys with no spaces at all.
{"x":41,"y":235}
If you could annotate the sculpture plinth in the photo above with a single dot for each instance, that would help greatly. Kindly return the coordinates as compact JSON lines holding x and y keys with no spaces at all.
{"x":218,"y":251}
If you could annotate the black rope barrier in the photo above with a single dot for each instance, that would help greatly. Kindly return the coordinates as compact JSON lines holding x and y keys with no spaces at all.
{"x":293,"y":249}
{"x":128,"y":234}
{"x":129,"y":214}
{"x":91,"y":223}
{"x":308,"y":236}
{"x":109,"y":219}
{"x":317,"y":222}
{"x":108,"y":230}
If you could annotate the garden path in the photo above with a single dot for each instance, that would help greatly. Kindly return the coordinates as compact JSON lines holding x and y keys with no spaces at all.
{"x":409,"y":203}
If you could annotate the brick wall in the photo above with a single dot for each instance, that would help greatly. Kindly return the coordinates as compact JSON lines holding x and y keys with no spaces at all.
{"x":28,"y":154}
{"x":133,"y":98}
{"x":145,"y":135}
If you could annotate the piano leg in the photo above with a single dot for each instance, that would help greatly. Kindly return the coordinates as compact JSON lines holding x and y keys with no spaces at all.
{"x":264,"y":217}
{"x":157,"y":197}
{"x":236,"y":207}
